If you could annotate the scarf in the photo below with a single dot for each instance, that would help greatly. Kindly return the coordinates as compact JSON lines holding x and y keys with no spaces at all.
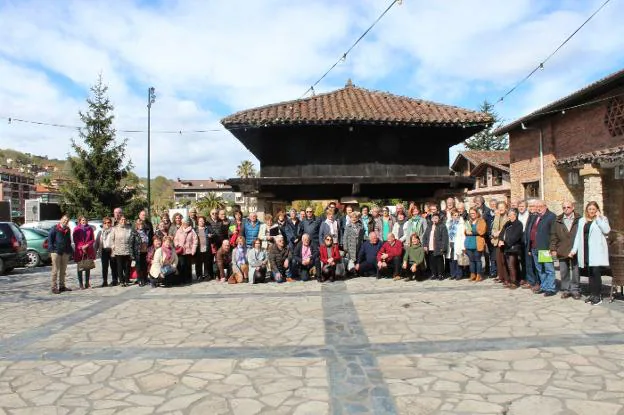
{"x":61,"y":228}
{"x":143,"y":236}
{"x":167,"y":254}
{"x":239,"y":254}
{"x":452,"y":231}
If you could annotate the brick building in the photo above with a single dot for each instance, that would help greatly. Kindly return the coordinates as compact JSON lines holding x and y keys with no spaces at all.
{"x":16,"y":187}
{"x":491,"y":171}
{"x":573,"y":149}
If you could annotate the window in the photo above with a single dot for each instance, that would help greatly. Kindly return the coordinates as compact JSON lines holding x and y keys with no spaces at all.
{"x":573,"y":177}
{"x":619,"y":172}
{"x":497,"y":178}
{"x":482,"y":181}
{"x":614,"y":118}
{"x":531,"y":190}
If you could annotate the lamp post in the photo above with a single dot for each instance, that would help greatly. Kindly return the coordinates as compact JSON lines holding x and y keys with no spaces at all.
{"x":151,"y":98}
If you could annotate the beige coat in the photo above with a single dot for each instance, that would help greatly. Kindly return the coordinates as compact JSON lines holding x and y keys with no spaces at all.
{"x":159,"y":261}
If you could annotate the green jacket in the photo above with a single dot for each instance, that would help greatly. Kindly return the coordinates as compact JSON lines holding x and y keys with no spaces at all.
{"x":414,"y":254}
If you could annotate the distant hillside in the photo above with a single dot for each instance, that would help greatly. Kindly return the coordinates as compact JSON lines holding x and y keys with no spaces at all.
{"x":29,"y":163}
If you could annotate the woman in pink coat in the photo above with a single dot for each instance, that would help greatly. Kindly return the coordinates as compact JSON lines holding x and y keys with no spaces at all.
{"x":186,"y":242}
{"x":84,"y":240}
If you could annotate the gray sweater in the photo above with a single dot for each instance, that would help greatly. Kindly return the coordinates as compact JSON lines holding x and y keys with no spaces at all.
{"x":121,"y":240}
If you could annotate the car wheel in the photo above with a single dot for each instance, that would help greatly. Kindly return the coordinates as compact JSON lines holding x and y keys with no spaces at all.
{"x":34,"y":260}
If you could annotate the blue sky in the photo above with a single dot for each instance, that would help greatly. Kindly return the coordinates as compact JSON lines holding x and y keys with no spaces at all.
{"x":208,"y":59}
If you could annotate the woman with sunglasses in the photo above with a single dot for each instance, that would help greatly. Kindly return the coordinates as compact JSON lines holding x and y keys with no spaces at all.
{"x":330,"y":257}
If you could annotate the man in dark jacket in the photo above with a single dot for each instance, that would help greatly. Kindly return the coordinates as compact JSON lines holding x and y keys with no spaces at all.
{"x":436,"y":242}
{"x":310,"y":225}
{"x":59,"y":246}
{"x":528,"y":266}
{"x":148,"y":228}
{"x":562,"y":237}
{"x":366,"y":264}
{"x":278,"y":259}
{"x":539,"y":240}
{"x":292,"y":229}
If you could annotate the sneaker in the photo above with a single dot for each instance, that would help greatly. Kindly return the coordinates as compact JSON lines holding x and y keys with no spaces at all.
{"x":576,"y":296}
{"x":596,"y":301}
{"x":396,"y":278}
{"x":63,"y":289}
{"x":289,"y":280}
{"x":589,"y":299}
{"x":549,"y":293}
{"x":55,"y":291}
{"x":565,"y":295}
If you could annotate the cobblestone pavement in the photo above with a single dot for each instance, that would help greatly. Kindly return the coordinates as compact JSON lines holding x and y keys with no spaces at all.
{"x":359,"y":346}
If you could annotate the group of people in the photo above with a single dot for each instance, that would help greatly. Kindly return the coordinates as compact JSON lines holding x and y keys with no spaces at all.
{"x":515,"y":245}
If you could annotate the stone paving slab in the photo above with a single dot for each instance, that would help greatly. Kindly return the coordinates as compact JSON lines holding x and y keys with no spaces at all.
{"x":18,"y":317}
{"x":577,"y":380}
{"x":362,"y":346}
{"x":197,"y":387}
{"x":492,"y":312}
{"x":240,"y":322}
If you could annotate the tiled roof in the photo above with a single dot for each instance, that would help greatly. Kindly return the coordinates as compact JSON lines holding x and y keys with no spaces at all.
{"x":607,"y":155}
{"x":192,"y":184}
{"x":496,"y":158}
{"x":355,"y":105}
{"x":575,"y":98}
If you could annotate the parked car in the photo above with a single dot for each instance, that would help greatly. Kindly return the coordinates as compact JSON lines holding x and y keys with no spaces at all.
{"x":37,"y":251}
{"x":13,"y":247}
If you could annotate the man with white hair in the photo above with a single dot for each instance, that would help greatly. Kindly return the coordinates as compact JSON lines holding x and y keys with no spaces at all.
{"x":539,"y":249}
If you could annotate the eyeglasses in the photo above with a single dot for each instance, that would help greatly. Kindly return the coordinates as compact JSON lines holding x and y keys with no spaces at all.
{"x":567,"y":207}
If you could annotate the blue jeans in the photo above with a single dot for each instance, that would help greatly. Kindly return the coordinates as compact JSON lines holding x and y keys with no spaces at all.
{"x":456,"y":270}
{"x":530,"y":273}
{"x":545,"y":272}
{"x":475,"y":261}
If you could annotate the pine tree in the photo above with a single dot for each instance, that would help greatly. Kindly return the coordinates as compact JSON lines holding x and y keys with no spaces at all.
{"x":486,"y":140}
{"x":99,"y":168}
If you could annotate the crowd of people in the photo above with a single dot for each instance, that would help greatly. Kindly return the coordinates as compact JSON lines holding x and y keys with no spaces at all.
{"x":515,"y":245}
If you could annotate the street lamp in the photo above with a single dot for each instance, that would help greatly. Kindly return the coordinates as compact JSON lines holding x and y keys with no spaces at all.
{"x":151,"y":98}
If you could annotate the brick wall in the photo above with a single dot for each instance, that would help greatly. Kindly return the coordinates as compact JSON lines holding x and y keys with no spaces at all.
{"x":577,"y":131}
{"x":613,"y":199}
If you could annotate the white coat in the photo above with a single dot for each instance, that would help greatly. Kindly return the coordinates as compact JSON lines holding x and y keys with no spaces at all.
{"x":460,"y":238}
{"x":597,"y":242}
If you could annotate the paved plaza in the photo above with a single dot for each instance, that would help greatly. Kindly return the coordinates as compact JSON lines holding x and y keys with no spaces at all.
{"x":354,"y":347}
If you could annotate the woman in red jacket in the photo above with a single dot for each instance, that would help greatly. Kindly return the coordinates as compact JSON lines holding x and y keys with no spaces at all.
{"x":84,"y":240}
{"x":330,"y":258}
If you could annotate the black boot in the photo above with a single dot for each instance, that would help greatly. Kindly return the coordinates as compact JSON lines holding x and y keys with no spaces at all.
{"x":80,"y":281}
{"x":87,"y":285}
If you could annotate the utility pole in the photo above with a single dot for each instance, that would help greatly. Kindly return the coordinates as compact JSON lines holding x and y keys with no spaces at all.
{"x":151,"y":98}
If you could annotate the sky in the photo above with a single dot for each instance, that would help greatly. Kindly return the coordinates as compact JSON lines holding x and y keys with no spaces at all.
{"x":208,"y":59}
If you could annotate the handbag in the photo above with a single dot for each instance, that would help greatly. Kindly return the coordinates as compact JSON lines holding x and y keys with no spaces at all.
{"x":86,"y":264}
{"x":463,"y":260}
{"x":167,"y":270}
{"x":543,"y":256}
{"x":179,"y":250}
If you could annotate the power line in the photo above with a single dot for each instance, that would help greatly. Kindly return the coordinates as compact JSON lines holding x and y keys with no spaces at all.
{"x":541,"y":65}
{"x":344,"y":55}
{"x":73,"y":127}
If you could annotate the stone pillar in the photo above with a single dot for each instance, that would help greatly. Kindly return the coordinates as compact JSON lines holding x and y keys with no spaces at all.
{"x":592,"y":185}
{"x":262,"y":206}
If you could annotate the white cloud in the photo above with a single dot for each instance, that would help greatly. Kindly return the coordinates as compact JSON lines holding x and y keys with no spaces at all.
{"x":208,"y":59}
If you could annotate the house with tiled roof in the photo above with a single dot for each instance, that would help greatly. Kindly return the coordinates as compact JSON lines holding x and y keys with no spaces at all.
{"x":490,"y":170}
{"x":573,"y":149}
{"x":196,"y":189}
{"x":352,"y":143}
